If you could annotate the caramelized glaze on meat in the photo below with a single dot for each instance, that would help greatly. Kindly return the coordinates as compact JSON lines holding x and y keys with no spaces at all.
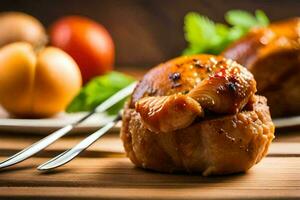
{"x":197,"y":114}
{"x":272,"y":54}
{"x":214,"y":83}
{"x":168,"y":113}
{"x":227,"y":91}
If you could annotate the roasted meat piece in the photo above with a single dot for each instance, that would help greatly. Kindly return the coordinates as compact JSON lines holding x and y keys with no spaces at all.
{"x":272,"y":54}
{"x":219,"y":145}
{"x":225,"y":88}
{"x":168,"y":113}
{"x":179,"y":120}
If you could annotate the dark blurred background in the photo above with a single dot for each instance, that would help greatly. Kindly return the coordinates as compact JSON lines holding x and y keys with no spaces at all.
{"x":146,"y":32}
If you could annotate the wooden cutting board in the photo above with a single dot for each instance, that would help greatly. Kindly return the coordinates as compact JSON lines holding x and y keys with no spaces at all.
{"x":103,"y":172}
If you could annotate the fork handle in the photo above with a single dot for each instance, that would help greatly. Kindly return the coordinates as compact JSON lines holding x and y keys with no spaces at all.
{"x":36,"y":147}
{"x":70,"y":154}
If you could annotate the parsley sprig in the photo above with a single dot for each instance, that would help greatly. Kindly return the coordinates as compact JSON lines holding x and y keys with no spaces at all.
{"x":205,"y":36}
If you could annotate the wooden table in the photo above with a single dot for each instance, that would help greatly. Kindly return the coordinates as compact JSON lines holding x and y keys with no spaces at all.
{"x":103,"y":172}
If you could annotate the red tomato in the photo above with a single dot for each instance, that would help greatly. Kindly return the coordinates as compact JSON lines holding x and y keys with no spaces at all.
{"x":88,"y":42}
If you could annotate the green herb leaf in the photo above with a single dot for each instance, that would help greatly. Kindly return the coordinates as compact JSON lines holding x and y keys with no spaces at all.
{"x":236,"y":33}
{"x":98,"y":90}
{"x":240,"y":18}
{"x":199,"y":32}
{"x":205,"y":36}
{"x":262,"y":18}
{"x":220,"y":39}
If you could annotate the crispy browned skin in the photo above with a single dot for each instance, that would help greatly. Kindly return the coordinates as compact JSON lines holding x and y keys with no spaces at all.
{"x":217,"y":84}
{"x":272,"y":54}
{"x":232,"y":137}
{"x":221,"y":145}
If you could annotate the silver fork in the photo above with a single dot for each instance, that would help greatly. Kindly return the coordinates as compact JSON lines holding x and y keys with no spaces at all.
{"x":45,"y":142}
{"x":70,"y":154}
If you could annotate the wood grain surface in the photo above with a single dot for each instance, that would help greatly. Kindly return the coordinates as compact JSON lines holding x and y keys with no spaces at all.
{"x":103,"y":172}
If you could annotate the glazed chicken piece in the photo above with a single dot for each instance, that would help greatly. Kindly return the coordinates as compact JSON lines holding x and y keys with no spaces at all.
{"x":168,"y":113}
{"x":272,"y":54}
{"x":226,"y":89}
{"x":197,"y":114}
